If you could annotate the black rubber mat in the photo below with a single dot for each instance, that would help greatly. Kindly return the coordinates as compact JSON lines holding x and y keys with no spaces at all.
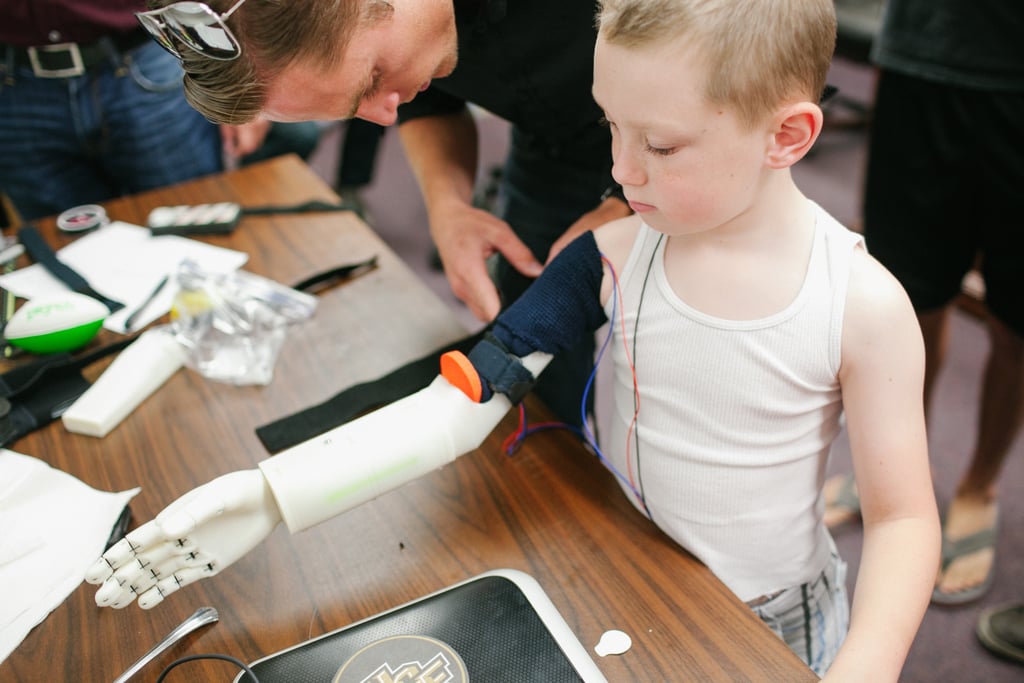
{"x":488,"y":621}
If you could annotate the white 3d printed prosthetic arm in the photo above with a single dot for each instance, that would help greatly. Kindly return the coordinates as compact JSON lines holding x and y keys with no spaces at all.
{"x":212,"y":526}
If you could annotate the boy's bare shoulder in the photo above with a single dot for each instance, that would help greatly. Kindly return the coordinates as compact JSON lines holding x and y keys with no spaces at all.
{"x":877,"y":306}
{"x":615,"y":239}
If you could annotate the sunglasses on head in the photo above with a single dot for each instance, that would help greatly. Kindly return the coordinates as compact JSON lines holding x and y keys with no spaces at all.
{"x":195,"y":25}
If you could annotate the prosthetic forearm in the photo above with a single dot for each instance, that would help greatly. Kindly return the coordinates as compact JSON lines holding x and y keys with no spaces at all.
{"x":358,"y":461}
{"x":214,"y":525}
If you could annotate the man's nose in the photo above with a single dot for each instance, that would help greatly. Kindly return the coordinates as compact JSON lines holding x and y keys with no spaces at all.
{"x":381,"y":109}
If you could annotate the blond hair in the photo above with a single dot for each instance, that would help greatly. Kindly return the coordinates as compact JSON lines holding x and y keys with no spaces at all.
{"x":758,"y":54}
{"x":273,"y":34}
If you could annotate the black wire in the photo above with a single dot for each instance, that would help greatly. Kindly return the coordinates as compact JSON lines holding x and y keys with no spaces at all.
{"x":636,"y":328}
{"x":190,"y":658}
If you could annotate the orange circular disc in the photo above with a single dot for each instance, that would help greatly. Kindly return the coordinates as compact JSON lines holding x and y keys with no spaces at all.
{"x":459,"y":371}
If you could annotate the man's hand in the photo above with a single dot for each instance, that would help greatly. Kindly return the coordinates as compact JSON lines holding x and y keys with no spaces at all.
{"x":609,"y":210}
{"x":466,"y":237}
{"x":197,"y":536}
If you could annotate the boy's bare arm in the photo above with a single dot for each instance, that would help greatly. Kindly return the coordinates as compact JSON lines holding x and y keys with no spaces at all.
{"x":882,"y":377}
{"x":615,"y":241}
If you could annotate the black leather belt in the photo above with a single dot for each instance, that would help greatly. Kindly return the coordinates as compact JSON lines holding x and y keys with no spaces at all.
{"x":66,"y":60}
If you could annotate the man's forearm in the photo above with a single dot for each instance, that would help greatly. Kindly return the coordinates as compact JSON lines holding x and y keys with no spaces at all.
{"x":442,"y":152}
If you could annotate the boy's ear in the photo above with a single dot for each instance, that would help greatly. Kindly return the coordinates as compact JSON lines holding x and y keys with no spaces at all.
{"x":795,"y":128}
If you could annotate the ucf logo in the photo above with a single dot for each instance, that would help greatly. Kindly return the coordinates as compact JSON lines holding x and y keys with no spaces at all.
{"x":404,"y":659}
{"x":437,"y":670}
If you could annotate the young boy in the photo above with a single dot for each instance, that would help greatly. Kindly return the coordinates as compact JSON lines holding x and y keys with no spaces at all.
{"x":750,"y":319}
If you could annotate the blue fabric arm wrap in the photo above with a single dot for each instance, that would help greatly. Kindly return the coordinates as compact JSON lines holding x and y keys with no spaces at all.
{"x":561,"y":306}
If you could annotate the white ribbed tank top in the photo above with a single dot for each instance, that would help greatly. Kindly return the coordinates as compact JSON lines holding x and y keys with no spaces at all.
{"x":736,"y":417}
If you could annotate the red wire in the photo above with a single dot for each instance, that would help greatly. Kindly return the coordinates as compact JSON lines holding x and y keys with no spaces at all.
{"x":512,"y":441}
{"x":636,"y":388}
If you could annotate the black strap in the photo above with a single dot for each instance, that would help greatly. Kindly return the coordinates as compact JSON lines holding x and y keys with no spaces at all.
{"x":42,"y":253}
{"x":315,"y":283}
{"x":19,"y":379}
{"x":503,"y":372}
{"x":34,"y":394}
{"x":304,"y":207}
{"x":358,"y":399}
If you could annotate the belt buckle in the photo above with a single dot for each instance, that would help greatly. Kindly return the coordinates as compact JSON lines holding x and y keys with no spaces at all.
{"x":77,"y":67}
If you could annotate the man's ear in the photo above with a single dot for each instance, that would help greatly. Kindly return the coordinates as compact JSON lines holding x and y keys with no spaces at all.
{"x":795,"y":129}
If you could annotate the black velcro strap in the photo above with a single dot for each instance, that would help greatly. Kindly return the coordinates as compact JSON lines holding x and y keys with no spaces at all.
{"x":315,"y":283}
{"x":43,"y":253}
{"x":501,"y":369}
{"x":312,"y":206}
{"x":358,"y":399}
{"x":36,"y":393}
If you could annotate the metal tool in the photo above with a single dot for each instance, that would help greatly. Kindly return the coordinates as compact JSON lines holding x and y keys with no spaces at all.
{"x":202,"y":617}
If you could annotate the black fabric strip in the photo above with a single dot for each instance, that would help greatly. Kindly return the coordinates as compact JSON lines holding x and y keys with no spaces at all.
{"x":808,"y":639}
{"x":34,"y":394}
{"x":315,"y":283}
{"x":44,"y":254}
{"x":304,"y":207}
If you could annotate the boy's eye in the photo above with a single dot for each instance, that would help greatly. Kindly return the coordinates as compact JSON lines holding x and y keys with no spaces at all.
{"x":660,"y":151}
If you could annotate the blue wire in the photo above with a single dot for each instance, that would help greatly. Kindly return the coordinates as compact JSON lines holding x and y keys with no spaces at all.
{"x":590,"y":382}
{"x":585,"y":432}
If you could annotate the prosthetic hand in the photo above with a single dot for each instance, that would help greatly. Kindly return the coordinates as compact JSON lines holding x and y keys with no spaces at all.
{"x":196,"y":536}
{"x":208,"y":529}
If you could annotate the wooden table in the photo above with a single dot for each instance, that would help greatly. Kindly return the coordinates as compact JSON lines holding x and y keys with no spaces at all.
{"x":550,"y":510}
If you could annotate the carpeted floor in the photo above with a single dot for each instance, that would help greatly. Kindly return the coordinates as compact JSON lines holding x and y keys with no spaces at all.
{"x":946,"y":648}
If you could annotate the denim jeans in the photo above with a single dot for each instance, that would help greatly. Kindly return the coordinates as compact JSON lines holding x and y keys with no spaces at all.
{"x":119,"y":128}
{"x":812,"y":618}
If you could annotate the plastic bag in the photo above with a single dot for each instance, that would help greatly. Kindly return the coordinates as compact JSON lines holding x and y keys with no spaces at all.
{"x":233,"y":324}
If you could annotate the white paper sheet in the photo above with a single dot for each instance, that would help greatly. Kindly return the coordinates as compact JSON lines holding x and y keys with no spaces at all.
{"x":52,"y":528}
{"x":125,"y":263}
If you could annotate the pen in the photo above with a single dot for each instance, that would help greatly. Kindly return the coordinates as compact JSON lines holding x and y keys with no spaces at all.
{"x":130,"y":320}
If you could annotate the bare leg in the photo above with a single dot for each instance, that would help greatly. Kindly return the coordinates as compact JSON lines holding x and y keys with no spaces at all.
{"x":975,"y":505}
{"x":935,"y":331}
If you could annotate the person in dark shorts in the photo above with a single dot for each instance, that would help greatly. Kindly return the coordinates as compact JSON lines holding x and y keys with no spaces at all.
{"x":944,"y":194}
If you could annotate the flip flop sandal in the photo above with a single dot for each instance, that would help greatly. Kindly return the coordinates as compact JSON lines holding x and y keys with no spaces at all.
{"x":1001,"y":630}
{"x":954,"y":550}
{"x":846,"y":501}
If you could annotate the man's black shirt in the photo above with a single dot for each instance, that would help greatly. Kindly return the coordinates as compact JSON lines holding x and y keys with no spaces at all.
{"x":531,"y":63}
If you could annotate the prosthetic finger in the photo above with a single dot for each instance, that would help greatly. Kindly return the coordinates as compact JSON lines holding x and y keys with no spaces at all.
{"x":155,"y":569}
{"x":121,"y":589}
{"x":170,"y":584}
{"x":125,"y":551}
